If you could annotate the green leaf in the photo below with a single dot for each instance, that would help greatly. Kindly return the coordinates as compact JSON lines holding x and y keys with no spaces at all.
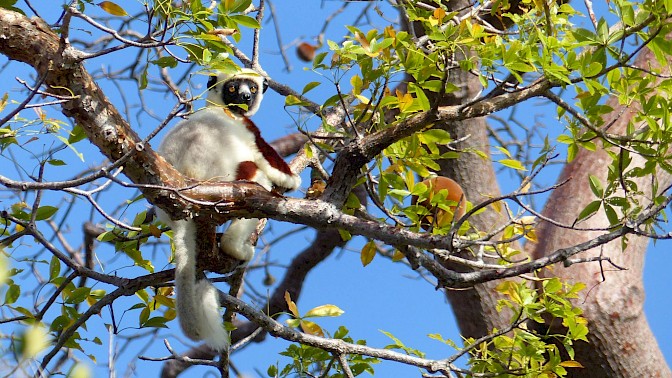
{"x":596,"y":186}
{"x":144,"y":316}
{"x":331,"y":101}
{"x":592,"y":70}
{"x":421,"y":98}
{"x":397,"y":342}
{"x":76,"y":134}
{"x":565,"y":139}
{"x":165,"y":61}
{"x":584,"y":35}
{"x":98,"y":293}
{"x":237,"y":6}
{"x":553,"y":285}
{"x":106,"y":236}
{"x":45,"y":212}
{"x":504,"y":151}
{"x":78,"y":295}
{"x":112,"y":8}
{"x":155,"y":322}
{"x":207,"y":56}
{"x":602,"y":30}
{"x":310,"y":86}
{"x":572,"y":150}
{"x":12,"y":294}
{"x":54,"y":268}
{"x":591,"y":209}
{"x":139,"y":218}
{"x":35,"y":339}
{"x":8,"y":4}
{"x":143,"y":79}
{"x":67,"y":143}
{"x":246,"y":21}
{"x":612,"y":216}
{"x":317,"y":61}
{"x":59,"y":323}
{"x":56,"y":162}
{"x":345,"y":235}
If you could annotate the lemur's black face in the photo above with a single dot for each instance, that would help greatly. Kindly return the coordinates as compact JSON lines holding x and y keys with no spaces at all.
{"x":243,"y":92}
{"x":245,"y":89}
{"x":240,"y":90}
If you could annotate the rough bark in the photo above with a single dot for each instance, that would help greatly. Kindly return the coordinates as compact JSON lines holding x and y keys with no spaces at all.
{"x":621,"y":343}
{"x":474,"y":308}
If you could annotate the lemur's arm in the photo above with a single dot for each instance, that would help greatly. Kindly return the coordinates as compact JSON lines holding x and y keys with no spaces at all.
{"x":270,"y":162}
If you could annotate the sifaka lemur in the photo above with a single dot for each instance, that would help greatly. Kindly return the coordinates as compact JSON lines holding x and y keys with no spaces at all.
{"x":219,"y":143}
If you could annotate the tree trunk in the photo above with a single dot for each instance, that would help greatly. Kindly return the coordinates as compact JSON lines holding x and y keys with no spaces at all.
{"x":621,"y":343}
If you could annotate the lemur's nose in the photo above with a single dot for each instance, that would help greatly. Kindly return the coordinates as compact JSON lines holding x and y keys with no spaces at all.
{"x":246,"y":96}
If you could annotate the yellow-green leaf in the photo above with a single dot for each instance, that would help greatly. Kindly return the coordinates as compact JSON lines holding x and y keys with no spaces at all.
{"x":3,"y":101}
{"x":142,"y":294}
{"x":368,"y":253}
{"x":162,"y":299}
{"x":54,"y":267}
{"x":170,"y":314}
{"x":515,"y":164}
{"x":294,"y":323}
{"x":292,"y":100}
{"x":311,"y":328}
{"x":12,"y":294}
{"x":310,"y":86}
{"x":112,"y":8}
{"x":324,"y":310}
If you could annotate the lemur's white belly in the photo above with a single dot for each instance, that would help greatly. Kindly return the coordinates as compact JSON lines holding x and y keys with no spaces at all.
{"x":202,"y":133}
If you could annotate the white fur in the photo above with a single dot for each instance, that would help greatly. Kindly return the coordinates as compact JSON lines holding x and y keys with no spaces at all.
{"x":209,"y":145}
{"x":197,"y":303}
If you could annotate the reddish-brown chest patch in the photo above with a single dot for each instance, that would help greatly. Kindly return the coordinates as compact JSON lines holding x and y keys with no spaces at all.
{"x":266,"y":150}
{"x":246,"y":170}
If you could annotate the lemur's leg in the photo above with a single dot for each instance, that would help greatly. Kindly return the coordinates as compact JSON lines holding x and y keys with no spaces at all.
{"x":235,"y":241}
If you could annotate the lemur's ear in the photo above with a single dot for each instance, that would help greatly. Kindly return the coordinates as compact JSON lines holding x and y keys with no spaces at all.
{"x":265,"y":85}
{"x":212,"y":80}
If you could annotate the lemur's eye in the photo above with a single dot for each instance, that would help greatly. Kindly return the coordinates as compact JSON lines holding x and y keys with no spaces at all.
{"x":253,"y":89}
{"x":232,"y":88}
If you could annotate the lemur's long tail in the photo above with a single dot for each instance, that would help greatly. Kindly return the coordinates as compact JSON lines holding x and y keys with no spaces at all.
{"x":197,"y":301}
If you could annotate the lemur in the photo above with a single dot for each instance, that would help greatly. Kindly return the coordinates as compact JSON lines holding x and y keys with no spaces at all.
{"x":219,"y":143}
